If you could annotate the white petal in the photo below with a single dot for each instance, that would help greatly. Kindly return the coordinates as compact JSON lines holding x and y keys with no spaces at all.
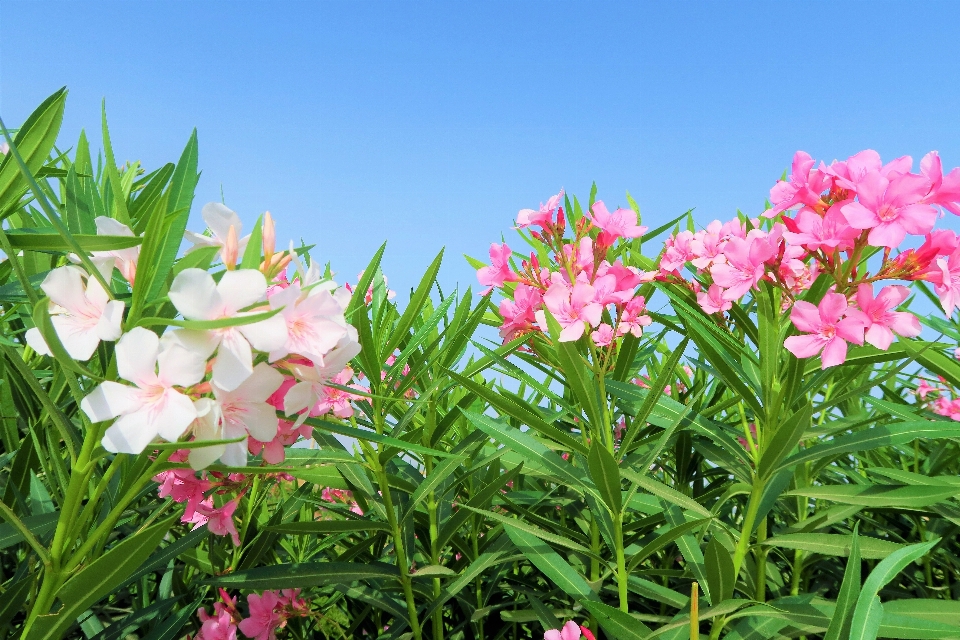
{"x":110,"y":400}
{"x":261,"y":384}
{"x":203,"y":343}
{"x":131,"y":433}
{"x":110,"y":227}
{"x":194,"y":294}
{"x":172,"y":414}
{"x":181,"y":367}
{"x":96,"y":296}
{"x":219,"y":218}
{"x":108,"y":328}
{"x":299,"y":397}
{"x":200,"y":240}
{"x":234,"y":362}
{"x":260,"y":420}
{"x":206,"y":456}
{"x":266,"y":335}
{"x":241,"y":288}
{"x":36,"y":342}
{"x":64,"y":286}
{"x":235,"y":454}
{"x":78,"y":336}
{"x":137,"y":356}
{"x":339,"y":357}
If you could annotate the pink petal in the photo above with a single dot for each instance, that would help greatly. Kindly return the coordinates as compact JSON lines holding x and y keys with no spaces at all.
{"x":805,"y":317}
{"x":859,"y":216}
{"x":805,"y":346}
{"x":887,"y":234}
{"x":879,"y":336}
{"x":831,"y":307}
{"x":834,"y":353}
{"x":572,"y":332}
{"x":918,"y":219}
{"x":905,"y":324}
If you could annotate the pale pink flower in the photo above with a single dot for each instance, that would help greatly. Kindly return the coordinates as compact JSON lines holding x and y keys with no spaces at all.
{"x":603,"y":335}
{"x":891,"y":208}
{"x":314,"y":322}
{"x":712,"y":301}
{"x":678,"y":251}
{"x":622,"y":223}
{"x":633,"y":318}
{"x":707,"y":246}
{"x":829,"y":232}
{"x":197,"y":297}
{"x":944,"y":189}
{"x":264,"y":620}
{"x":543,"y":217}
{"x":337,"y":401}
{"x":744,"y":266}
{"x":570,"y":631}
{"x":827,"y":328}
{"x":945,"y":277}
{"x":81,"y":312}
{"x":519,"y":314}
{"x":883,"y":321}
{"x":803,"y":188}
{"x":154,"y":407}
{"x":125,"y":260}
{"x":571,"y":308}
{"x":220,"y":523}
{"x":219,"y":220}
{"x":499,"y":270}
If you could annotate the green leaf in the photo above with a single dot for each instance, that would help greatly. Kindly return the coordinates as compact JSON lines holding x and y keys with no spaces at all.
{"x":718,"y":564}
{"x":580,"y":380}
{"x":550,"y":564}
{"x":831,"y":544}
{"x":784,"y":440}
{"x":98,"y":579}
{"x":663,"y":540}
{"x":665,"y":493}
{"x":170,"y":628}
{"x":866,"y":495}
{"x":869,"y":612}
{"x":113,"y":175}
{"x":37,"y":240}
{"x":419,"y":297}
{"x":945,"y":611}
{"x":839,"y":628}
{"x":467,"y":577}
{"x":305,"y":574}
{"x":328,"y":526}
{"x":617,"y":624}
{"x":606,"y":475}
{"x":252,"y":255}
{"x":373,"y":436}
{"x":210,"y":325}
{"x":14,"y":598}
{"x":39,"y":525}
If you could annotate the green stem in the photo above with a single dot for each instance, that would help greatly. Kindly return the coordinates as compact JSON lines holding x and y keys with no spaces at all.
{"x":434,"y":550}
{"x":18,"y":524}
{"x":761,"y":580}
{"x":621,"y":562}
{"x":403,"y":565}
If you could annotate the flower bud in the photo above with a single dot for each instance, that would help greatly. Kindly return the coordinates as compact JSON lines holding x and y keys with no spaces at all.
{"x":231,"y":249}
{"x":269,"y":237}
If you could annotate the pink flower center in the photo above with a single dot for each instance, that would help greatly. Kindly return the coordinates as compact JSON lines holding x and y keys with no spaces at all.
{"x":887,"y":213}
{"x":828,"y":331}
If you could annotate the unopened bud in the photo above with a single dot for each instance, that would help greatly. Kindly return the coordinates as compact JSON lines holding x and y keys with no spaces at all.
{"x":269,"y":236}
{"x":231,"y":249}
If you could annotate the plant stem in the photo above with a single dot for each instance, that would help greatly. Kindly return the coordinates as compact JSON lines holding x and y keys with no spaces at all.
{"x":761,"y":553}
{"x":621,"y":562}
{"x":402,"y":565}
{"x":434,"y":550}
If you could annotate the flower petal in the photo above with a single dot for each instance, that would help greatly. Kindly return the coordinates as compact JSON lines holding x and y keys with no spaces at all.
{"x":241,"y":288}
{"x":131,"y":433}
{"x":108,"y":327}
{"x":36,"y":342}
{"x":219,"y":219}
{"x":181,"y":367}
{"x":137,"y":356}
{"x":234,"y":361}
{"x":109,"y":400}
{"x":172,"y":414}
{"x":834,"y":353}
{"x":805,"y":346}
{"x":195,"y":295}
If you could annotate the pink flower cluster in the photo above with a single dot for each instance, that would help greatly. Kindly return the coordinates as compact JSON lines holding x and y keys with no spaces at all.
{"x":268,"y":613}
{"x":941,"y":399}
{"x":844,"y":209}
{"x":579,"y":284}
{"x":570,"y":631}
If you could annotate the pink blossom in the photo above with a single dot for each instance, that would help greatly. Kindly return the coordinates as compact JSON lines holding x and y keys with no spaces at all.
{"x":804,"y":187}
{"x":570,"y":631}
{"x":220,"y":522}
{"x":337,"y":401}
{"x":829,"y":232}
{"x":923,"y":389}
{"x":183,"y":485}
{"x":744,"y":267}
{"x":622,"y":223}
{"x":499,"y":270}
{"x":603,"y":335}
{"x":891,"y":208}
{"x":678,"y":251}
{"x":883,"y":322}
{"x":828,"y":328}
{"x":264,"y":620}
{"x":944,"y":189}
{"x":707,"y":246}
{"x":712,"y":301}
{"x":219,"y":626}
{"x":571,"y":308}
{"x":543,"y":217}
{"x":634,"y":318}
{"x":946,"y":280}
{"x":519,"y":313}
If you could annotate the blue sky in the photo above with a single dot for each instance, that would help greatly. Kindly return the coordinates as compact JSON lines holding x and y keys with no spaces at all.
{"x":431,"y":124}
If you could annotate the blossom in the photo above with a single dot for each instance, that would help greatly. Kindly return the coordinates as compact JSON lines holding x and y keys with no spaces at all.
{"x":571,"y":308}
{"x":499,"y":270}
{"x":219,"y":626}
{"x":678,"y":251}
{"x":891,"y":208}
{"x":264,"y":619}
{"x":944,"y":189}
{"x":519,"y":314}
{"x":220,"y":220}
{"x":828,"y":328}
{"x":338,"y":401}
{"x":707,"y":246}
{"x":570,"y":631}
{"x":197,"y":297}
{"x":81,"y":313}
{"x":828,"y":232}
{"x":883,"y":322}
{"x":622,"y":223}
{"x":123,"y":259}
{"x":220,"y":523}
{"x":946,"y":280}
{"x":183,"y":485}
{"x":543,"y":217}
{"x":314,"y":322}
{"x":712,"y":300}
{"x":744,"y":266}
{"x":634,"y":319}
{"x":804,"y":187}
{"x":154,"y":407}
{"x":603,"y":335}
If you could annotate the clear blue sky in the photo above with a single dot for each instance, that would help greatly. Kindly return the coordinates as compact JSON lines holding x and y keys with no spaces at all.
{"x":431,"y":124}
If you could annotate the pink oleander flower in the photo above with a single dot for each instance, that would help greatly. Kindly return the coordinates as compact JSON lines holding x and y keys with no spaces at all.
{"x":883,"y":321}
{"x":125,"y":260}
{"x":220,"y":523}
{"x":219,"y":626}
{"x":891,"y":208}
{"x":678,"y":251}
{"x":622,"y":223}
{"x":634,"y":318}
{"x":337,"y":401}
{"x":707,"y":246}
{"x":314,"y":322}
{"x":81,"y":312}
{"x":829,"y":232}
{"x":183,"y":485}
{"x":944,"y":189}
{"x":603,"y":335}
{"x":828,"y":328}
{"x":219,"y":220}
{"x":572,"y":309}
{"x":264,"y":620}
{"x":712,"y":301}
{"x":570,"y":631}
{"x":923,"y":389}
{"x":805,"y":186}
{"x":153,"y":407}
{"x":197,"y":296}
{"x":945,"y":277}
{"x":543,"y":217}
{"x":744,"y":266}
{"x":519,"y":314}
{"x":499,"y":270}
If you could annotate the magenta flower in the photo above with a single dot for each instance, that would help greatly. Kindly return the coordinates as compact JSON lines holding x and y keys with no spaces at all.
{"x":832,"y":231}
{"x":828,"y":328}
{"x":519,"y":313}
{"x":543,"y":217}
{"x":219,"y":626}
{"x":711,"y":300}
{"x":891,"y":208}
{"x":220,"y":523}
{"x":264,"y":620}
{"x":622,"y":223}
{"x":944,"y":189}
{"x":744,"y":266}
{"x":946,"y":280}
{"x":499,"y":270}
{"x":883,"y":322}
{"x":603,"y":335}
{"x":570,"y":631}
{"x":571,"y":308}
{"x":804,"y":187}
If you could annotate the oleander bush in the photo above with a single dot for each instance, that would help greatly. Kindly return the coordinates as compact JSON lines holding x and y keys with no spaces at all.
{"x":746,"y":430}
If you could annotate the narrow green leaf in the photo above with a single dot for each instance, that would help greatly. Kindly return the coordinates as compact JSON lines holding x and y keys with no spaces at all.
{"x":328,"y":526}
{"x":617,"y":624}
{"x":606,"y":475}
{"x":867,"y":495}
{"x":784,"y":440}
{"x":305,"y":574}
{"x":550,"y":564}
{"x":718,"y":564}
{"x":839,"y":628}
